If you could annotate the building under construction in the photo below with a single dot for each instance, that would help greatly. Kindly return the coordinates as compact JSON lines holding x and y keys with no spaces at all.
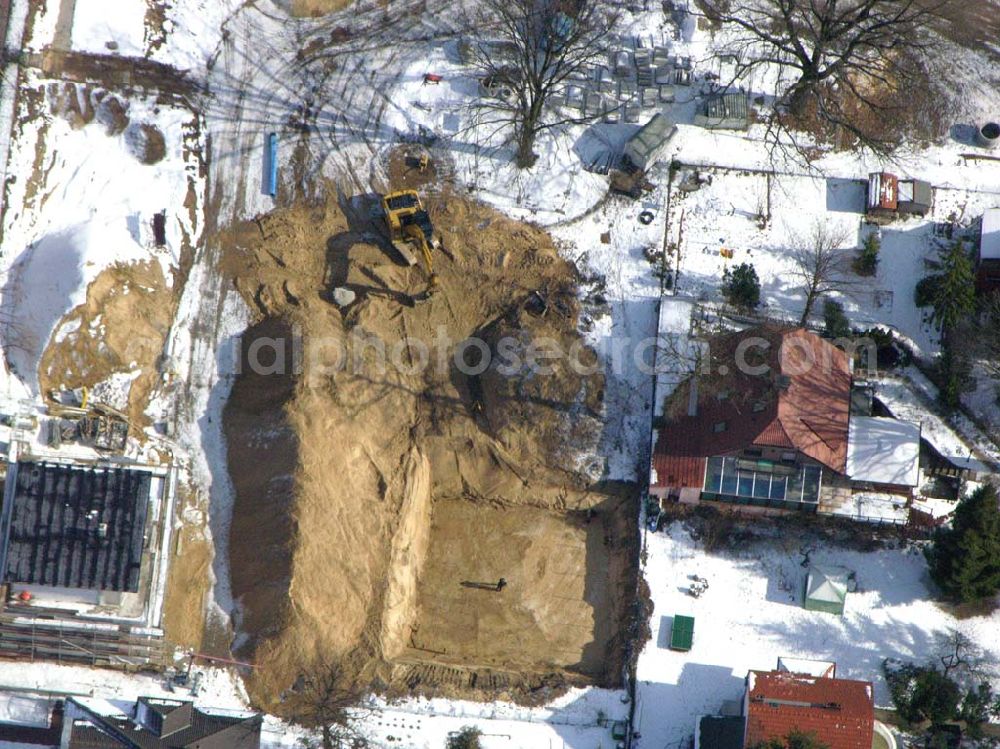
{"x":75,"y":527}
{"x":83,"y":561}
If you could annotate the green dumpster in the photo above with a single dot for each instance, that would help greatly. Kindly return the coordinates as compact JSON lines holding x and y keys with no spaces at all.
{"x":682,"y":632}
{"x":618,"y":730}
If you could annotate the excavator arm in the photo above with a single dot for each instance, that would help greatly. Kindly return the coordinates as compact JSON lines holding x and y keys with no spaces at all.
{"x":418,"y":238}
{"x":409,"y":224}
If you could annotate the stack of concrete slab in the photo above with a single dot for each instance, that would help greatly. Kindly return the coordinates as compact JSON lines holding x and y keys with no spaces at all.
{"x":641,"y":77}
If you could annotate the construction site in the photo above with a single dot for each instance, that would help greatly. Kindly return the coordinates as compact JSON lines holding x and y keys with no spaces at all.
{"x":405,"y":511}
{"x":411,"y":525}
{"x":84,"y":550}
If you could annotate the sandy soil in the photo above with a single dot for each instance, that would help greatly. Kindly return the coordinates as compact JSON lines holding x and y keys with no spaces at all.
{"x":120,"y":328}
{"x":549,"y":602}
{"x":315,"y":8}
{"x":366,"y":496}
{"x":189,"y":583}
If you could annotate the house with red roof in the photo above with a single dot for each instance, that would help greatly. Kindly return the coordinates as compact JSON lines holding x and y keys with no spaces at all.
{"x":839,"y":713}
{"x":764,"y":422}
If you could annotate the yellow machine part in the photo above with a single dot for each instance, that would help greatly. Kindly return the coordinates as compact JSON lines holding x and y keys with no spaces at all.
{"x":396,"y":206}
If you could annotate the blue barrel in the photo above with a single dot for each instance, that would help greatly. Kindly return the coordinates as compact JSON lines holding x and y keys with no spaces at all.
{"x":271,"y":165}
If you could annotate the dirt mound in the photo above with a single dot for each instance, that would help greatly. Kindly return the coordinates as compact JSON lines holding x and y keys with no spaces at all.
{"x":119,"y":330}
{"x":146,"y":143}
{"x":405,"y":470}
{"x":190,"y":580}
{"x":71,"y":102}
{"x":112,"y":112}
{"x":514,"y":393}
{"x":316,"y":8}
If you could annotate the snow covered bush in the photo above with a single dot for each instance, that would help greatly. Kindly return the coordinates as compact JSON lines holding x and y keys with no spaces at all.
{"x":922,"y":693}
{"x":866,"y":263}
{"x":835,"y":322}
{"x":467,"y":738}
{"x":976,"y":708}
{"x":925,"y":290}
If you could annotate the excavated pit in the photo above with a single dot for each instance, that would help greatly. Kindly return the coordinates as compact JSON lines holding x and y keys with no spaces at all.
{"x":377,"y":499}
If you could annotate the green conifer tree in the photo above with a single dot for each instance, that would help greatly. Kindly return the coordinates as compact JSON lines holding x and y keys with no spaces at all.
{"x":741,"y":287}
{"x":964,"y":560}
{"x":955,"y":294}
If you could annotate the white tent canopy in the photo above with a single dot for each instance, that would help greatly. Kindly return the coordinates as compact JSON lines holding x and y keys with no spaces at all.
{"x":883,"y":451}
{"x":826,"y":589}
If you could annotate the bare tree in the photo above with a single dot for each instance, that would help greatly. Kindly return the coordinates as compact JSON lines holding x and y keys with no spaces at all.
{"x":961,"y":658}
{"x":845,"y":56}
{"x":531,"y":50}
{"x":821,"y":264}
{"x":323,"y":700}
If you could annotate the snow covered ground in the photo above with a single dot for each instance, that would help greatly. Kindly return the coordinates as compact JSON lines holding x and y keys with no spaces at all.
{"x":581,"y":719}
{"x":725,"y":215}
{"x":91,"y":207}
{"x":97,"y":30}
{"x":752,"y":614}
{"x":905,"y":397}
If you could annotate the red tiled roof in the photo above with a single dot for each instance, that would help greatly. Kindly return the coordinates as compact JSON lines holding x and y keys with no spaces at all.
{"x":840,"y":712}
{"x":795,"y":393}
{"x":816,"y":407}
{"x":774,"y":435}
{"x":678,"y":470}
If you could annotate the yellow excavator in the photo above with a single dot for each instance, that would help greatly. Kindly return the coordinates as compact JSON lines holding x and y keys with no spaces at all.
{"x":410,"y":225}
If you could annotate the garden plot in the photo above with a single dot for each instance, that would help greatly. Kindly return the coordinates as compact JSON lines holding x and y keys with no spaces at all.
{"x":752,"y":614}
{"x":730,"y":212}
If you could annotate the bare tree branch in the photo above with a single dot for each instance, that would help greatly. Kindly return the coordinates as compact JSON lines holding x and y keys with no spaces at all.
{"x":822,"y":265}
{"x":323,"y":699}
{"x":531,"y":51}
{"x":844,"y":55}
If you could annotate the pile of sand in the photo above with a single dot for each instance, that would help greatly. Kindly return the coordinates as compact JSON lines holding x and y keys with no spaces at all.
{"x":316,"y":8}
{"x":346,"y":539}
{"x":119,"y":329}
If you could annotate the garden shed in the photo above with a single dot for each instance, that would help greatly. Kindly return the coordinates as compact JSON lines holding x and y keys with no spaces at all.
{"x":826,"y":589}
{"x":725,"y":111}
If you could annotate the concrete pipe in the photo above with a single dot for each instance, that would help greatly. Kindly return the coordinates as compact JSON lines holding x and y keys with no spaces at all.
{"x":988,"y":136}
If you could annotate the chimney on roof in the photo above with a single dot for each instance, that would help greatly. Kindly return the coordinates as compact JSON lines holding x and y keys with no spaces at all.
{"x":693,"y":397}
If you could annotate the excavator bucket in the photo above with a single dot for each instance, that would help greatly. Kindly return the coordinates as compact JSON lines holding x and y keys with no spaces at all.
{"x":405,"y":250}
